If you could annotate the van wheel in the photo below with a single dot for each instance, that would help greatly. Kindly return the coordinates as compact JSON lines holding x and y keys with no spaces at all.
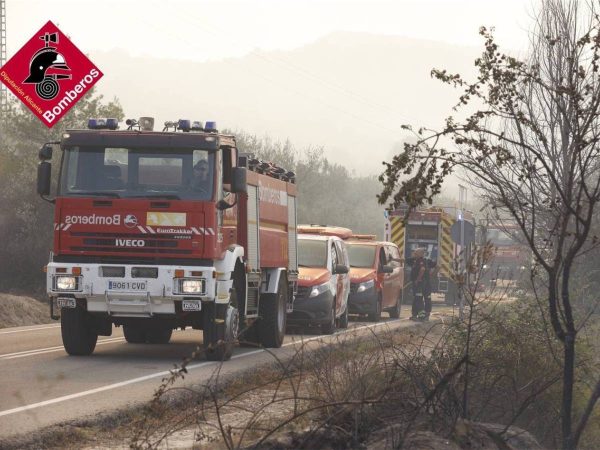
{"x":395,"y":311}
{"x":375,"y":316}
{"x":78,"y":336}
{"x":343,"y":320}
{"x":329,"y":328}
{"x":273,"y":316}
{"x":159,"y":336}
{"x":134,"y":335}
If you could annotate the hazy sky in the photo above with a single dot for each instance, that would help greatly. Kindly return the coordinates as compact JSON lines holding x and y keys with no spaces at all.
{"x":214,"y":29}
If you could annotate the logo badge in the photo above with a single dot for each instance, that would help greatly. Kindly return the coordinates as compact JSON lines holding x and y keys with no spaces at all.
{"x":130,"y":221}
{"x":49,"y":74}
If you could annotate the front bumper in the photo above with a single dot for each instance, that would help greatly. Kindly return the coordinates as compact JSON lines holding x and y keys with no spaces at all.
{"x":363,"y":302}
{"x":315,"y":310}
{"x":128,"y":296}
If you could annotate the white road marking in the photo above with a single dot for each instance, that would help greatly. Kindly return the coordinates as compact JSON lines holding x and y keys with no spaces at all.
{"x":30,"y":329}
{"x":167,"y":372}
{"x":41,"y":351}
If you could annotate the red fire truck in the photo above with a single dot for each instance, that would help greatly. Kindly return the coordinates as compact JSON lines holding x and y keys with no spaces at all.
{"x":156,"y":231}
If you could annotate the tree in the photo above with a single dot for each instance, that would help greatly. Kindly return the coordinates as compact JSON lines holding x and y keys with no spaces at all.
{"x":327,"y":192}
{"x":25,"y":220}
{"x":532,"y":149}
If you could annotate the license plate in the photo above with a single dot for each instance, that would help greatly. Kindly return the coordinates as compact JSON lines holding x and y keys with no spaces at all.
{"x":191,"y":305}
{"x":127,"y":285}
{"x":66,"y":302}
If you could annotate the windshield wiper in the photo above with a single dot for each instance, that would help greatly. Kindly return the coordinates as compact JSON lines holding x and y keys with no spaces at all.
{"x":167,"y":196}
{"x":95,"y":194}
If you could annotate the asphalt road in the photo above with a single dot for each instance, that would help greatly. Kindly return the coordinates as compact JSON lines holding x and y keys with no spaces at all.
{"x":41,"y":385}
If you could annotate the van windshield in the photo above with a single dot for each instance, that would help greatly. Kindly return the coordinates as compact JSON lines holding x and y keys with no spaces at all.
{"x":312,"y":253}
{"x":362,"y":256}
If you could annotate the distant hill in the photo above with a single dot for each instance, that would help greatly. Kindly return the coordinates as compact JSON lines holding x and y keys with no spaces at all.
{"x":348,"y":92}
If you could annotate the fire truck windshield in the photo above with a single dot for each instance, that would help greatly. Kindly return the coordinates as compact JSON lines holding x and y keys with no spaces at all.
{"x":138,"y":172}
{"x":362,"y":256}
{"x":499,"y":237}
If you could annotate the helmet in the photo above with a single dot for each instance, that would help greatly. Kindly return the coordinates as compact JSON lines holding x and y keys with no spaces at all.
{"x":44,"y":59}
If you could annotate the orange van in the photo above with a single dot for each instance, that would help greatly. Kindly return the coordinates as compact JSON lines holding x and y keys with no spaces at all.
{"x":376,"y":277}
{"x":323,"y":280}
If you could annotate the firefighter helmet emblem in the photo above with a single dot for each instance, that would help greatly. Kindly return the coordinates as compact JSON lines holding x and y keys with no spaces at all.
{"x":43,"y":60}
{"x":130,"y":221}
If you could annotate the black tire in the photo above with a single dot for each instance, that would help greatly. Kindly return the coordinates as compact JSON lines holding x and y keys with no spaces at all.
{"x":343,"y":320}
{"x":273,"y":316}
{"x":159,"y":336}
{"x":78,"y":336}
{"x":215,"y":346}
{"x":134,"y":335}
{"x":395,"y":311}
{"x":375,"y":316}
{"x":329,"y":328}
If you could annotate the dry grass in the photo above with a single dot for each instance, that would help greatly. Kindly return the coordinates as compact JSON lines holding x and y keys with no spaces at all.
{"x":17,"y":310}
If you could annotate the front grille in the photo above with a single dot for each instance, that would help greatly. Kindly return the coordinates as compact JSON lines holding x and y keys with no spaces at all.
{"x":158,"y":244}
{"x":112,"y":272}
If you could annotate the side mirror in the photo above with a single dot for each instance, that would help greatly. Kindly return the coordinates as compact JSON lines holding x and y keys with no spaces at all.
{"x":222,"y":205}
{"x":44,"y":177}
{"x":340,"y":268}
{"x":386,"y":269}
{"x":45,"y":153}
{"x":238,"y":180}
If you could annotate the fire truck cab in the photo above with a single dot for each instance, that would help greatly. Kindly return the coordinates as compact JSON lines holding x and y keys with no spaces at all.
{"x":155,"y":231}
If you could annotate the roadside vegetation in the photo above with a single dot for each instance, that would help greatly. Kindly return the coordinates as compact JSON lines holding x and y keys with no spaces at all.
{"x":525,"y":134}
{"x":19,"y":310}
{"x":475,"y":382}
{"x":394,"y":389}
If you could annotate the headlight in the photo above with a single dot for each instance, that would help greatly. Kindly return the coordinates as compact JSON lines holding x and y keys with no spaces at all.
{"x":319,"y":289}
{"x":66,"y":283}
{"x":485,"y":266}
{"x":191,"y":286}
{"x":362,"y":287}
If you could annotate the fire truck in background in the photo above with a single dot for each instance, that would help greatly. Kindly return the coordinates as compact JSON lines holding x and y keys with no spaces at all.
{"x":156,"y":231}
{"x":510,"y":258}
{"x":428,"y":228}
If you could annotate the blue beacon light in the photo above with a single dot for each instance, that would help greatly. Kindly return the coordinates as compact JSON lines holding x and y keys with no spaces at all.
{"x":184,"y":125}
{"x":211,"y":127}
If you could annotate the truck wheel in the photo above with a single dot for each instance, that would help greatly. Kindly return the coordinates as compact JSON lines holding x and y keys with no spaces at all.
{"x":272,"y":310}
{"x":159,"y":336}
{"x":343,"y":320}
{"x":78,"y":337}
{"x":375,"y":316}
{"x":218,"y":333}
{"x":134,"y":335}
{"x":395,"y":311}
